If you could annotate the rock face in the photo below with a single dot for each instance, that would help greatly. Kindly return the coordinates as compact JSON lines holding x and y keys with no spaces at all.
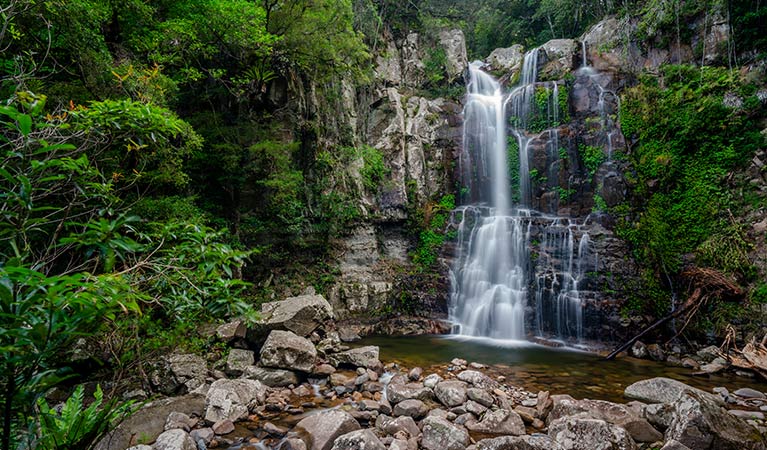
{"x":286,"y":350}
{"x":320,"y":430}
{"x":232,"y":399}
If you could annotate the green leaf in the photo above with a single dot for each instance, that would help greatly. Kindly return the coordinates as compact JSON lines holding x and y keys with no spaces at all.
{"x":25,"y":124}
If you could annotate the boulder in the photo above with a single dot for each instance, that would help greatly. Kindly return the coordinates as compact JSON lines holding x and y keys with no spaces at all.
{"x":400,"y":424}
{"x":701,"y":423}
{"x":451,"y":393}
{"x":614,"y":413}
{"x":357,"y":357}
{"x":431,"y":380}
{"x":674,"y":445}
{"x":661,"y":390}
{"x":531,"y":442}
{"x":561,"y":56}
{"x":178,"y":420}
{"x":271,"y":377}
{"x":413,"y":408}
{"x":286,"y":350}
{"x":581,"y":433}
{"x":238,"y":360}
{"x":231,"y":331}
{"x":508,"y":60}
{"x":320,"y":430}
{"x":358,"y":440}
{"x":396,"y":393}
{"x":478,"y":379}
{"x":500,"y":421}
{"x":232,"y":399}
{"x":749,"y":393}
{"x":439,"y":434}
{"x":480,"y":396}
{"x":300,"y":315}
{"x":174,"y":440}
{"x":149,"y":421}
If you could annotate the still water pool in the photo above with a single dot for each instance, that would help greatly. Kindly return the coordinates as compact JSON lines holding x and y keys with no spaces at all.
{"x":536,"y":367}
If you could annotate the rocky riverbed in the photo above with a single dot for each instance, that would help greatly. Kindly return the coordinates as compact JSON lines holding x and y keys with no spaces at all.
{"x":301,"y":388}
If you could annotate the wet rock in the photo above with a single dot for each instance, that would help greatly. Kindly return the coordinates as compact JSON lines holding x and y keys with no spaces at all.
{"x":639,"y":350}
{"x":323,"y":428}
{"x":439,"y":434}
{"x":415,"y":374}
{"x":480,"y":396}
{"x":690,"y":363}
{"x":413,"y":408}
{"x":274,"y":430}
{"x":749,"y":393}
{"x":432,"y":380}
{"x":701,"y":423}
{"x":532,"y":442}
{"x":204,"y":435}
{"x":286,"y":350}
{"x":400,"y":424}
{"x":231,"y":399}
{"x":396,"y":393}
{"x":656,"y":353}
{"x":223,"y":427}
{"x":357,"y":357}
{"x":293,"y":443}
{"x":580,"y":433}
{"x":239,"y":360}
{"x":323,"y":370}
{"x":499,"y":421}
{"x":747,"y":414}
{"x":660,"y":390}
{"x":451,"y":393}
{"x":271,"y":377}
{"x":358,"y":440}
{"x":478,"y":379}
{"x":300,"y":315}
{"x":708,"y":354}
{"x":174,"y":440}
{"x":348,"y":335}
{"x":717,"y":365}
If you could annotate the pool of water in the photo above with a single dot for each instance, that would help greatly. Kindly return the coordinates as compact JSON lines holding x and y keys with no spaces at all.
{"x":536,"y":367}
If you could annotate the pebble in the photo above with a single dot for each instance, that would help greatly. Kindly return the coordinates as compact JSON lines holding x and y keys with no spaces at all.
{"x":749,"y":393}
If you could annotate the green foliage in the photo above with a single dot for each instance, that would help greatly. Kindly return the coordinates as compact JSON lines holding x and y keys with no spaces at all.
{"x":77,"y":426}
{"x":512,"y":152}
{"x":565,"y":193}
{"x":432,"y":235}
{"x":727,"y":249}
{"x":599,"y":204}
{"x":373,"y":169}
{"x":592,"y":157}
{"x":42,"y":316}
{"x":435,"y":66}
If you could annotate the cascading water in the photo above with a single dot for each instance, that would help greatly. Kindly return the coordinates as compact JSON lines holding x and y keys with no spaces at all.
{"x":494,"y":270}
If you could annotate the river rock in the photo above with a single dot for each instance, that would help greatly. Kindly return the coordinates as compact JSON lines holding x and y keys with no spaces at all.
{"x":321,"y":430}
{"x":400,"y":424}
{"x":659,"y":414}
{"x":204,"y":435}
{"x":656,"y":353}
{"x":480,"y":396}
{"x":271,"y":377}
{"x":300,"y":315}
{"x":614,"y":413}
{"x":439,"y":434}
{"x":174,"y":440}
{"x":475,"y":408}
{"x":701,"y":423}
{"x":709,"y":353}
{"x":357,"y":357}
{"x":500,"y":421}
{"x":358,"y":440}
{"x":140,"y":447}
{"x":531,"y":442}
{"x":639,"y":350}
{"x":451,"y":393}
{"x":413,"y":408}
{"x":396,"y":393}
{"x":415,"y":374}
{"x":478,"y":379}
{"x":674,"y":445}
{"x":749,"y":393}
{"x":222,"y":427}
{"x":286,"y":350}
{"x":747,"y":414}
{"x":178,"y":420}
{"x":238,"y":360}
{"x":660,"y":390}
{"x":188,"y":369}
{"x":581,"y":433}
{"x":431,"y":380}
{"x":231,"y":399}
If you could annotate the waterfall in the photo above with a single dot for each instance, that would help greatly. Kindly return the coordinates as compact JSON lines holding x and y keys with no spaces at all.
{"x":505,"y":249}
